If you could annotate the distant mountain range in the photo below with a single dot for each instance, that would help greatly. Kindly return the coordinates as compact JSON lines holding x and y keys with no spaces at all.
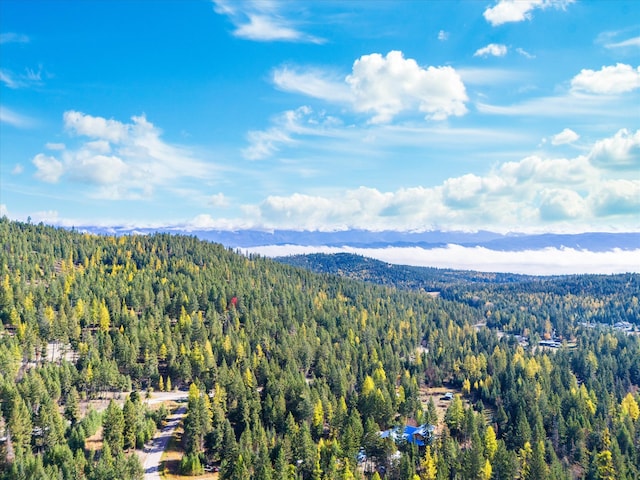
{"x":595,"y":241}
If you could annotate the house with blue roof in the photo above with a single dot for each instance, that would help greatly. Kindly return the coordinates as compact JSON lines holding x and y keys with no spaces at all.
{"x":419,"y":436}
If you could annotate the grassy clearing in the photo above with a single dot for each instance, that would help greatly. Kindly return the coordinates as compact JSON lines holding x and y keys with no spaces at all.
{"x":441,"y":405}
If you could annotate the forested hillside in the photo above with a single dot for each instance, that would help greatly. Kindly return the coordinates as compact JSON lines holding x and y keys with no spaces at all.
{"x":294,"y":375}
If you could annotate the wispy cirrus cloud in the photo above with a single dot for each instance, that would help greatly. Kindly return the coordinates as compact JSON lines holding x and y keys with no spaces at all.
{"x":507,"y":11}
{"x":263,"y":21}
{"x":29,"y":78}
{"x":12,"y":37}
{"x":14,"y":119}
{"x":630,"y":42}
{"x":285,"y":130}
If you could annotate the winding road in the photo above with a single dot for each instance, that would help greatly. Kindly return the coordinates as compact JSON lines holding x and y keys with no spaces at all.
{"x":159,"y":443}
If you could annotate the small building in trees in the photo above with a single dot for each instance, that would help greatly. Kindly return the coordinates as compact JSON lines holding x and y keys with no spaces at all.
{"x":420,"y":436}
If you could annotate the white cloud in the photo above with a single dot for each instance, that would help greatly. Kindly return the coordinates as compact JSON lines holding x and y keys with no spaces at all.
{"x":313,"y":83}
{"x":524,"y":53}
{"x":7,"y":78}
{"x":561,"y":204}
{"x":443,"y":36}
{"x":48,"y":169}
{"x":17,"y":169}
{"x":28,"y":79}
{"x":218,"y":200}
{"x":11,"y":37}
{"x":617,"y":197}
{"x":493,"y":49}
{"x":264,"y":143}
{"x":620,"y":151}
{"x":124,"y":160}
{"x":387,"y":86}
{"x":506,"y":11}
{"x":15,"y":119}
{"x":547,"y":261}
{"x":534,"y":192}
{"x":95,"y":127}
{"x":54,"y":146}
{"x":565,"y":136}
{"x":384,"y":86}
{"x":569,"y":106}
{"x":262,"y":21}
{"x":534,"y":170}
{"x":4,"y":212}
{"x":630,"y":42}
{"x":620,"y":78}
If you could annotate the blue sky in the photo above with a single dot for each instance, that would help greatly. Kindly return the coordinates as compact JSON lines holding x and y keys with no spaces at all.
{"x":382,"y":115}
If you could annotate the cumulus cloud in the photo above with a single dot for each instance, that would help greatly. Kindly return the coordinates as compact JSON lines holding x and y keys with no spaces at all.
{"x":616,"y":79}
{"x":620,"y":151}
{"x":48,"y":169}
{"x":384,"y":86}
{"x":17,"y":169}
{"x":561,"y":204}
{"x":95,"y":127}
{"x":568,"y":193}
{"x":4,"y":211}
{"x":443,"y":36}
{"x":493,"y":49}
{"x":506,"y":11}
{"x":617,"y":197}
{"x":547,"y":261}
{"x":218,"y":200}
{"x":123,"y":160}
{"x":262,"y":21}
{"x":565,"y":136}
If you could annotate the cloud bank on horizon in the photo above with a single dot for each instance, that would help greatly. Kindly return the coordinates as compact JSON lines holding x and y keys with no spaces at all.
{"x":324,"y":116}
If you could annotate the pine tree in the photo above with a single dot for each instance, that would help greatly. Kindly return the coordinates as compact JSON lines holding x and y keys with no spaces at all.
{"x":72,"y":406}
{"x":130,"y":414}
{"x":113,"y":427}
{"x":20,"y":426}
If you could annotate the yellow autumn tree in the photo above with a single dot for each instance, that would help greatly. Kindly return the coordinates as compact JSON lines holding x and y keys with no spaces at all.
{"x":429,"y":468}
{"x":629,"y":407}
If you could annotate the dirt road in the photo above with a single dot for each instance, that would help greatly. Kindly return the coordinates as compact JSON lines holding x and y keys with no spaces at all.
{"x":153,"y":453}
{"x":159,"y":444}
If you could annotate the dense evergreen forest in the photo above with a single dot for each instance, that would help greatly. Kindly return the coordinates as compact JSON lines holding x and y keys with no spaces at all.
{"x":294,"y":375}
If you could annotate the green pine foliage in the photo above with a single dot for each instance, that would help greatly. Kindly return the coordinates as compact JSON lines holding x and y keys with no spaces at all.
{"x":292,"y":374}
